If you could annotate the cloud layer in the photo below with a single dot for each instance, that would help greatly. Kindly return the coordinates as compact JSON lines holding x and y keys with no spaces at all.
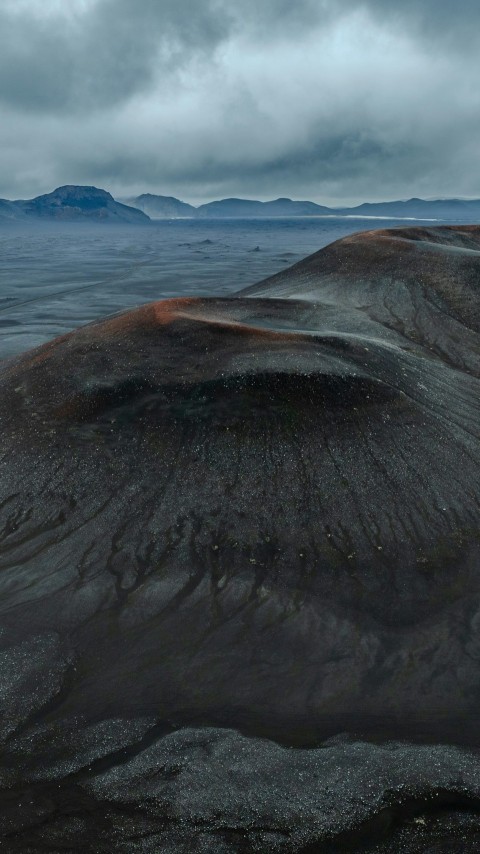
{"x":205,"y":98}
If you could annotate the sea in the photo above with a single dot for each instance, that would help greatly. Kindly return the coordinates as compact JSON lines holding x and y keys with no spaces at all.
{"x":56,"y":277}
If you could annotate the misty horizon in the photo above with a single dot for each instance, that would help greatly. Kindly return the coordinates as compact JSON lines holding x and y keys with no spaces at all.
{"x":125,"y":199}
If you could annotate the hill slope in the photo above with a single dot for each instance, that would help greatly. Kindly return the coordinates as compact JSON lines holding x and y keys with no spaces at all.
{"x":234,"y":526}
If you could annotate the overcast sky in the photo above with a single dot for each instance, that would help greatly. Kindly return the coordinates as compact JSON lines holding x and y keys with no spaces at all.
{"x":338,"y":101}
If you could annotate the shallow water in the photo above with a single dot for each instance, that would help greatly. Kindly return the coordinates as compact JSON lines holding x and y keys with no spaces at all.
{"x":55,"y":278}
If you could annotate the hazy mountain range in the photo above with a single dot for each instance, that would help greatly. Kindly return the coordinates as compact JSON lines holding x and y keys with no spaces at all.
{"x":72,"y":203}
{"x":168,"y":206}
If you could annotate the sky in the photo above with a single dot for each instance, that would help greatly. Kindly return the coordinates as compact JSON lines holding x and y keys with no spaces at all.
{"x":337,"y":101}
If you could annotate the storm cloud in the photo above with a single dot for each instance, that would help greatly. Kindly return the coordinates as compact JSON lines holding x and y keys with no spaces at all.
{"x":332,"y":101}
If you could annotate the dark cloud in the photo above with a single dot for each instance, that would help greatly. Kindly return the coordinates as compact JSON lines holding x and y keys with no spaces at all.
{"x":319,"y":98}
{"x":454,"y":23}
{"x":102,"y":54}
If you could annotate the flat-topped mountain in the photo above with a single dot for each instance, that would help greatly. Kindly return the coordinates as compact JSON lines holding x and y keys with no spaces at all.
{"x":231,"y":529}
{"x":73,"y":203}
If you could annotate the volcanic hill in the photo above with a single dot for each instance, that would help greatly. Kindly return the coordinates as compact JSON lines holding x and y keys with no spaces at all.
{"x":240,"y":564}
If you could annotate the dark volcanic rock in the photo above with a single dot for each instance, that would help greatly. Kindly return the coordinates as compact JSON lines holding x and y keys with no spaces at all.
{"x":257,"y":513}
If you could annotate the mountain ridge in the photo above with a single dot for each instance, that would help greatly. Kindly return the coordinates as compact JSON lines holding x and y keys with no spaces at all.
{"x":76,"y":203}
{"x":414,"y":208}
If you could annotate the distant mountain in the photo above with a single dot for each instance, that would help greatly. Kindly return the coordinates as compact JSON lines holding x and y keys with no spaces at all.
{"x":252,"y":208}
{"x":76,"y":204}
{"x":448,"y":209}
{"x":162,"y":206}
{"x":73,"y":204}
{"x":453,"y":210}
{"x":79,"y":203}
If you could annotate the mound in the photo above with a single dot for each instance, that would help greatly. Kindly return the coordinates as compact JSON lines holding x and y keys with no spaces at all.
{"x":257,"y":513}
